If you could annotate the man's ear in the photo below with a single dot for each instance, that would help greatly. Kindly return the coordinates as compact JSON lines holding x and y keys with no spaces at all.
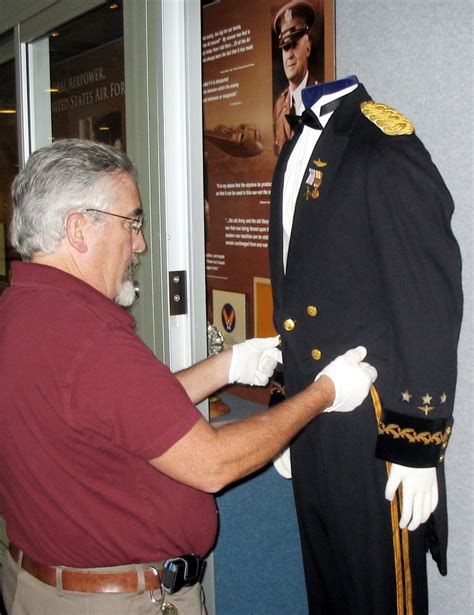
{"x":76,"y":231}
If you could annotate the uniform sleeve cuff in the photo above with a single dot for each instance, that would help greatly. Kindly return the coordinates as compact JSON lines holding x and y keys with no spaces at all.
{"x":410,"y":441}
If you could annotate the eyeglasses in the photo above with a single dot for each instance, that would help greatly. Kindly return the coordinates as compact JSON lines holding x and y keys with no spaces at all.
{"x":136,"y":223}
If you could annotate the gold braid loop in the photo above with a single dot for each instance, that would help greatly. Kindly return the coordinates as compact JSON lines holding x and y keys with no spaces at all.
{"x":390,"y":121}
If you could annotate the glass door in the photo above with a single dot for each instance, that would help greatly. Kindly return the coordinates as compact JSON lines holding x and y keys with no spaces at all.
{"x":8,"y":153}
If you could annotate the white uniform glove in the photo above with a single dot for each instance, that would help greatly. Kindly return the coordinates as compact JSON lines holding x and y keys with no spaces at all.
{"x":420,"y":493}
{"x":282,"y":463}
{"x":254,"y":361}
{"x":352,"y":379}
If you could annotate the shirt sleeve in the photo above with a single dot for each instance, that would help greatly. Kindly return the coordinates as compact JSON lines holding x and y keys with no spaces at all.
{"x":410,"y":210}
{"x":124,"y":397}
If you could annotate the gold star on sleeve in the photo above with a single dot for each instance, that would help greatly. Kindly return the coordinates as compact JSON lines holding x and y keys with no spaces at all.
{"x":406,"y":396}
{"x":443,"y":398}
{"x":426,"y":399}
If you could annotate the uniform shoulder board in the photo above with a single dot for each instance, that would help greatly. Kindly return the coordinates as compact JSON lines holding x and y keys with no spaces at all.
{"x":390,"y":121}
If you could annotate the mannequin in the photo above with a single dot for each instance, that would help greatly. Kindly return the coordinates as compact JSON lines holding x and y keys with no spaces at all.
{"x":361,"y":251}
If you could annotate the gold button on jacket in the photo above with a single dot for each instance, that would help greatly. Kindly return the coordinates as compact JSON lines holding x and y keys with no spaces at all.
{"x":312,"y":310}
{"x":289,"y":324}
{"x":316,"y":354}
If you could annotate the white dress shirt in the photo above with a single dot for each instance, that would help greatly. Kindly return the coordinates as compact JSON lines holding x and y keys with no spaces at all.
{"x":296,"y":93}
{"x":298,"y":161}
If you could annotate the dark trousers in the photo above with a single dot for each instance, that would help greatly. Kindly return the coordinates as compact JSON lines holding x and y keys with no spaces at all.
{"x":349,"y":555}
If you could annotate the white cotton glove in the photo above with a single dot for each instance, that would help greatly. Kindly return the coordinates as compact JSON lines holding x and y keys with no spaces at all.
{"x":352,"y":379}
{"x":282,"y":463}
{"x":254,"y":361}
{"x":420,"y":493}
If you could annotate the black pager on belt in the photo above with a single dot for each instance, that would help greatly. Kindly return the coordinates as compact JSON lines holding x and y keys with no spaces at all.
{"x":182,"y":571}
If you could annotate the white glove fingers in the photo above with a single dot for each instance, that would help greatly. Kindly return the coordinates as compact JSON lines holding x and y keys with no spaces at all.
{"x":370,"y":371}
{"x":420,"y":493}
{"x":356,"y":354}
{"x":267,"y":365}
{"x":351,"y":379}
{"x":263,"y":343}
{"x":254,"y":361}
{"x":273,"y":353}
{"x":407,"y":510}
{"x":434,"y":496}
{"x":393,"y":482}
{"x":419,"y":507}
{"x":427,"y":507}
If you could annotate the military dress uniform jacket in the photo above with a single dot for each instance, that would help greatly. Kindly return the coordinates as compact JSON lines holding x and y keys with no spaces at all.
{"x":372,"y":261}
{"x":282,"y":131}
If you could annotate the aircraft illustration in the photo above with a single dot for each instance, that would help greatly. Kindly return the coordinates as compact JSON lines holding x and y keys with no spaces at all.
{"x":242,"y":141}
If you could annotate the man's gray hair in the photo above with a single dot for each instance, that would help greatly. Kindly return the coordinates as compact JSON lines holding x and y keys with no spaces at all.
{"x":69,"y":175}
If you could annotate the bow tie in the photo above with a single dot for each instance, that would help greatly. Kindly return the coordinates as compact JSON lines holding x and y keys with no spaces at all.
{"x":309,"y":117}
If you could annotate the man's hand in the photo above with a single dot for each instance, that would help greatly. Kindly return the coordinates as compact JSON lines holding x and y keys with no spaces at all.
{"x":351,"y":378}
{"x":254,"y":361}
{"x":420,"y":493}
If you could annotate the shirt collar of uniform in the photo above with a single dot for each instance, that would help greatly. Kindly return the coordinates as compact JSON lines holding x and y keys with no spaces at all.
{"x":324,"y":93}
{"x":296,"y":93}
{"x":324,"y":119}
{"x":36,"y":275}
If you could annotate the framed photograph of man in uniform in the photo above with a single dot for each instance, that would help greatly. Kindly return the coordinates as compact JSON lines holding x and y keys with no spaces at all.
{"x":302,"y":53}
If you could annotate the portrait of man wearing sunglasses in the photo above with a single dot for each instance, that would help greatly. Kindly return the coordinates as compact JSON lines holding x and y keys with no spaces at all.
{"x":292,"y":24}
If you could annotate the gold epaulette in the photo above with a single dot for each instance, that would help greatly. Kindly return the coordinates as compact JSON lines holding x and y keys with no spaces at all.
{"x":390,"y":121}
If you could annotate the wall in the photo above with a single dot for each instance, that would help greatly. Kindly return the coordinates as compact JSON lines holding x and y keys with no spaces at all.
{"x":416,"y":56}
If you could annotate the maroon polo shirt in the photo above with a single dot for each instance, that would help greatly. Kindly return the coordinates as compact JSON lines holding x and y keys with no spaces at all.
{"x":84,"y":405}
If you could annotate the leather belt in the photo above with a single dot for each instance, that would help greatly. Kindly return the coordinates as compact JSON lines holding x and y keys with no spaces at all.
{"x":81,"y":580}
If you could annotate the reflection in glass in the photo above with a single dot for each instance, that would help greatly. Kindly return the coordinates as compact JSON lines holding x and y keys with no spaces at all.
{"x":8,"y":164}
{"x":86,"y":81}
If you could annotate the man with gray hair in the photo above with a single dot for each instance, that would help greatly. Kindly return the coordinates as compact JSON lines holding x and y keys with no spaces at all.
{"x":108,"y":468}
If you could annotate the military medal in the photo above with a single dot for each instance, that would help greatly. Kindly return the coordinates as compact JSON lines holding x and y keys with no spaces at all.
{"x":168,"y":608}
{"x":313,"y":182}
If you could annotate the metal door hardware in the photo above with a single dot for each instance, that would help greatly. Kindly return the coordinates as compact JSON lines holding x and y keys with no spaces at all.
{"x":177,"y":288}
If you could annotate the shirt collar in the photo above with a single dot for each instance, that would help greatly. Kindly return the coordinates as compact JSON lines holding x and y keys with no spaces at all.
{"x":296,"y":93}
{"x":327,"y":98}
{"x":36,"y":275}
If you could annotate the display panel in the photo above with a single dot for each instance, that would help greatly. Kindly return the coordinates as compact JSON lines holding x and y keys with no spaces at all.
{"x":255,"y":55}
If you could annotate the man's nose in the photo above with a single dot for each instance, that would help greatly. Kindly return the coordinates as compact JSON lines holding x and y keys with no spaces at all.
{"x":139,"y":244}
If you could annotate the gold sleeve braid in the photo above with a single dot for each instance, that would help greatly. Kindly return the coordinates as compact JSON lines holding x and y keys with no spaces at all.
{"x":425,"y":437}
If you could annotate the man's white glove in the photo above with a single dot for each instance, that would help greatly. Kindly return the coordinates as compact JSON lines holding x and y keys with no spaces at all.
{"x":420,"y":493}
{"x":352,"y":379}
{"x":254,"y":361}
